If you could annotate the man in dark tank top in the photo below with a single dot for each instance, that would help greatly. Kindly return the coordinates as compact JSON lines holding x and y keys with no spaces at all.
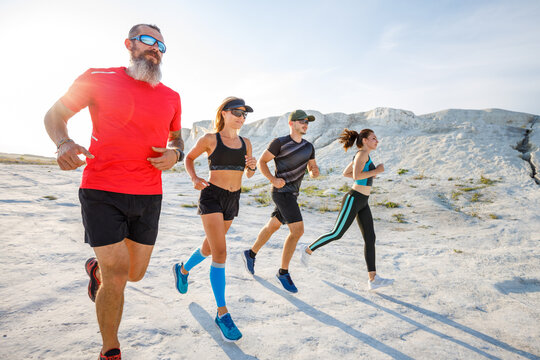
{"x":292,"y":155}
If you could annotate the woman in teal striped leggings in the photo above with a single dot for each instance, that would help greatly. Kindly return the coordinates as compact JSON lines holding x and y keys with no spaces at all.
{"x":355,"y":202}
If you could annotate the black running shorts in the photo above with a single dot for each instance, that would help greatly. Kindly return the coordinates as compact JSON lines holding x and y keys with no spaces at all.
{"x":109,"y":217}
{"x":287,"y":210}
{"x":214,"y":199}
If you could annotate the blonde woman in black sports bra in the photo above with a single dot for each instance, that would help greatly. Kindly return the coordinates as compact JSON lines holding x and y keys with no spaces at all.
{"x":229,"y":158}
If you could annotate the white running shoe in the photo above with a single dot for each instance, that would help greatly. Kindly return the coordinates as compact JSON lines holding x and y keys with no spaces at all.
{"x":304,"y":259}
{"x":379,"y":282}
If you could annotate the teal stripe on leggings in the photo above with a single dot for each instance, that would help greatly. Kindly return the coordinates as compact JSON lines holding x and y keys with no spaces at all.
{"x":342,"y":218}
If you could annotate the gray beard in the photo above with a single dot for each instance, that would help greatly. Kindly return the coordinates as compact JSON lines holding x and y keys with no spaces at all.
{"x":145,"y":70}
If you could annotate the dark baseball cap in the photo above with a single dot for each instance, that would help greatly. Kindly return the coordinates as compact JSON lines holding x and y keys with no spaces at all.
{"x":299,"y":115}
{"x":237,"y":103}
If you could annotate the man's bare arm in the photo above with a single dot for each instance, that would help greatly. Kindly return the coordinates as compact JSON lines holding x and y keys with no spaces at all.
{"x":56,"y":126}
{"x":56,"y":121}
{"x":263,"y":166}
{"x":172,"y":154}
{"x":176,"y":142}
{"x":313,"y":169}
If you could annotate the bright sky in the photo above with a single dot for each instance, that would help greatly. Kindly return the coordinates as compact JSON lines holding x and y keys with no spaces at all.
{"x":279,"y":55}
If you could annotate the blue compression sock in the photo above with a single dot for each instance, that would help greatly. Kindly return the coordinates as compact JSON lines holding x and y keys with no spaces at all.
{"x":217,"y":279}
{"x":194,"y":260}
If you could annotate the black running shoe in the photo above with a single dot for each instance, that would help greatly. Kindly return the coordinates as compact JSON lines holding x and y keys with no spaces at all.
{"x":93,"y":286}
{"x":113,"y":354}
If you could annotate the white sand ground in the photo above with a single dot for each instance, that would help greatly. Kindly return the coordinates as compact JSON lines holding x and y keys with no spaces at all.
{"x":467,"y":267}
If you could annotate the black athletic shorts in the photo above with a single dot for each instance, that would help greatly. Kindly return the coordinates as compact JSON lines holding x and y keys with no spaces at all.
{"x":287,"y":210}
{"x":214,"y":199}
{"x":109,"y":217}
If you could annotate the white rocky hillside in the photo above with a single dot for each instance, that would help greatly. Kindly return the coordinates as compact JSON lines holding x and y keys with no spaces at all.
{"x":457,"y":223}
{"x":449,"y":143}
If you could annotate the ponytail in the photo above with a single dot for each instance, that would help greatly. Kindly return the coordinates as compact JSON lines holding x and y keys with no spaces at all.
{"x":349,"y":137}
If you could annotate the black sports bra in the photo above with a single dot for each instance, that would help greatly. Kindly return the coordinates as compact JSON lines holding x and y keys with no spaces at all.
{"x":226,"y":158}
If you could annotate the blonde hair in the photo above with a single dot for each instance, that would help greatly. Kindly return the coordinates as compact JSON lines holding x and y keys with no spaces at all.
{"x":219,"y":122}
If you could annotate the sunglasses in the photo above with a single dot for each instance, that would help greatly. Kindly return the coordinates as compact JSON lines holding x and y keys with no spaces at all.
{"x":238,"y":113}
{"x":150,"y":41}
{"x":303,"y":121}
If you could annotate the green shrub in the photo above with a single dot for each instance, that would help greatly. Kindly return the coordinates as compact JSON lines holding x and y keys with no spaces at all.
{"x":344,"y":188}
{"x":263,"y":198}
{"x":325,"y":208}
{"x":402,"y":171}
{"x":389,"y":204}
{"x":192,"y":205}
{"x":467,"y":189}
{"x":486,"y":181}
{"x":312,"y":190}
{"x":177,"y":169}
{"x":420,"y":176}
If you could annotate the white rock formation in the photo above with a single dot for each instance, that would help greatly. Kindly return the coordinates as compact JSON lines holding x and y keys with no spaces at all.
{"x":446,"y":143}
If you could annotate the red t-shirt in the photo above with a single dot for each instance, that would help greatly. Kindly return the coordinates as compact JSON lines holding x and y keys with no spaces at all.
{"x":128,"y":117}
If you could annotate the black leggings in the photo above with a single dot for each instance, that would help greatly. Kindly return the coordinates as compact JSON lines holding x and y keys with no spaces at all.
{"x":354,"y":204}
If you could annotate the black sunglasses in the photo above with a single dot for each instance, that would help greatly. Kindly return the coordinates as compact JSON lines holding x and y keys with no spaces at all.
{"x":150,"y":41}
{"x":238,"y":113}
{"x":303,"y":121}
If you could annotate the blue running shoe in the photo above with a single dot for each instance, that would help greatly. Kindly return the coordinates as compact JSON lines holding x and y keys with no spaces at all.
{"x":229,"y":331}
{"x":287,"y":282}
{"x":249,"y":262}
{"x":180,"y":279}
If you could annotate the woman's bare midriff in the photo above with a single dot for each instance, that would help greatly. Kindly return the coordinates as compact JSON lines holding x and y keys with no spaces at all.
{"x":362,"y":189}
{"x":230,"y":180}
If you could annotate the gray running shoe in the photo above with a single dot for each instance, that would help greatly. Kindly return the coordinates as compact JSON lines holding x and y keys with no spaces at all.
{"x":305,"y":257}
{"x":379,"y":282}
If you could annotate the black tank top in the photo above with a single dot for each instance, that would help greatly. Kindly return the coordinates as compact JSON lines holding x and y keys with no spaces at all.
{"x":226,"y":158}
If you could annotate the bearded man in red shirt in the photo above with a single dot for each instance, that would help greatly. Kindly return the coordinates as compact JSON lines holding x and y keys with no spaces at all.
{"x":135,"y":136}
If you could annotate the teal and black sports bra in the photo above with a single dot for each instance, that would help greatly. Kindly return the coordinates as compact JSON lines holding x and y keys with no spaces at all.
{"x":226,"y":158}
{"x":368,"y":181}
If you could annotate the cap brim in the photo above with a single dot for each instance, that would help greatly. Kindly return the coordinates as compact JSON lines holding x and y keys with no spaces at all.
{"x":311,"y":118}
{"x":249,"y":109}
